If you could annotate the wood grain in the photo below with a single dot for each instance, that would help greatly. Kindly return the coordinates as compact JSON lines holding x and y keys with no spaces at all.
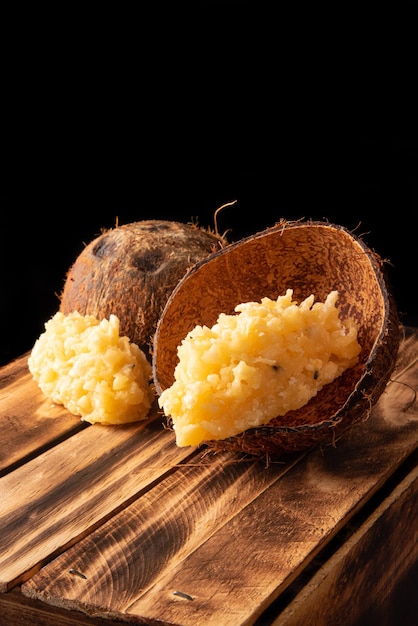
{"x":230,"y":537}
{"x":18,"y":610}
{"x":29,"y":422}
{"x":136,"y":548}
{"x":356,"y":586}
{"x":60,"y":496}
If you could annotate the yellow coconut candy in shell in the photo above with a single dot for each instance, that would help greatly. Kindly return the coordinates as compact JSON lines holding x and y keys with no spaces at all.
{"x":308,"y":257}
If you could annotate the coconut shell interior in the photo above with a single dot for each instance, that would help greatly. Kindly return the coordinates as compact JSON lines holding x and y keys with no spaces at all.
{"x":310,"y":258}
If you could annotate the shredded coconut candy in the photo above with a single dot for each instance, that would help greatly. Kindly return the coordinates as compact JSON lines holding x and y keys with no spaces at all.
{"x":269,"y":358}
{"x":83,"y":364}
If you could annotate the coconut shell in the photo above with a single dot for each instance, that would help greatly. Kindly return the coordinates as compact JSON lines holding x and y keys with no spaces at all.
{"x":131,"y":270}
{"x":310,"y":258}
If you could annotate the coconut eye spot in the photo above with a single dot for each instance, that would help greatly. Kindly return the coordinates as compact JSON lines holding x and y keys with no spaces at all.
{"x":104,"y":247}
{"x":149,"y":261}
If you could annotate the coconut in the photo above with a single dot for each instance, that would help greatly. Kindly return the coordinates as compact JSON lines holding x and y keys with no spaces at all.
{"x":309,"y":257}
{"x":130,"y":270}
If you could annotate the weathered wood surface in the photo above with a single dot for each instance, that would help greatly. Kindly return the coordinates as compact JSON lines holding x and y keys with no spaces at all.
{"x":358,"y":583}
{"x":120,"y":523}
{"x":18,"y":610}
{"x":28,"y":420}
{"x":61,"y":495}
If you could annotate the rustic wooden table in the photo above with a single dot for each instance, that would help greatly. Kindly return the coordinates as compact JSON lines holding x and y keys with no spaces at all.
{"x":102,"y":525}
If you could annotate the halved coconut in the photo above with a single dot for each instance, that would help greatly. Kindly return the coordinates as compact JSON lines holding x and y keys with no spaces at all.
{"x":310,"y":258}
{"x":130,"y":271}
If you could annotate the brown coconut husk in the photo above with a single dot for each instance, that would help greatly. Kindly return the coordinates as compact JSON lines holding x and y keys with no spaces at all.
{"x":131,"y":270}
{"x":310,"y":258}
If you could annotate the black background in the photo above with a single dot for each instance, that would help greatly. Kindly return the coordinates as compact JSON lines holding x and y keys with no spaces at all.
{"x":367,"y":185}
{"x":119,"y":116}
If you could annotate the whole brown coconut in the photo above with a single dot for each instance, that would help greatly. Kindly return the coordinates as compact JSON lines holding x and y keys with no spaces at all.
{"x":310,"y":258}
{"x":131,"y":270}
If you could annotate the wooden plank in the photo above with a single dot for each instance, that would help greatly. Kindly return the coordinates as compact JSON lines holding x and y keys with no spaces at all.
{"x":371,"y":579}
{"x":61,"y":495}
{"x":29,"y":422}
{"x":18,"y":610}
{"x":156,"y":532}
{"x":193,"y":533}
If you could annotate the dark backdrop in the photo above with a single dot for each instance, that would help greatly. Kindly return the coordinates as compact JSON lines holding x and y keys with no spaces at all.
{"x":126,"y":116}
{"x":366,"y":185}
